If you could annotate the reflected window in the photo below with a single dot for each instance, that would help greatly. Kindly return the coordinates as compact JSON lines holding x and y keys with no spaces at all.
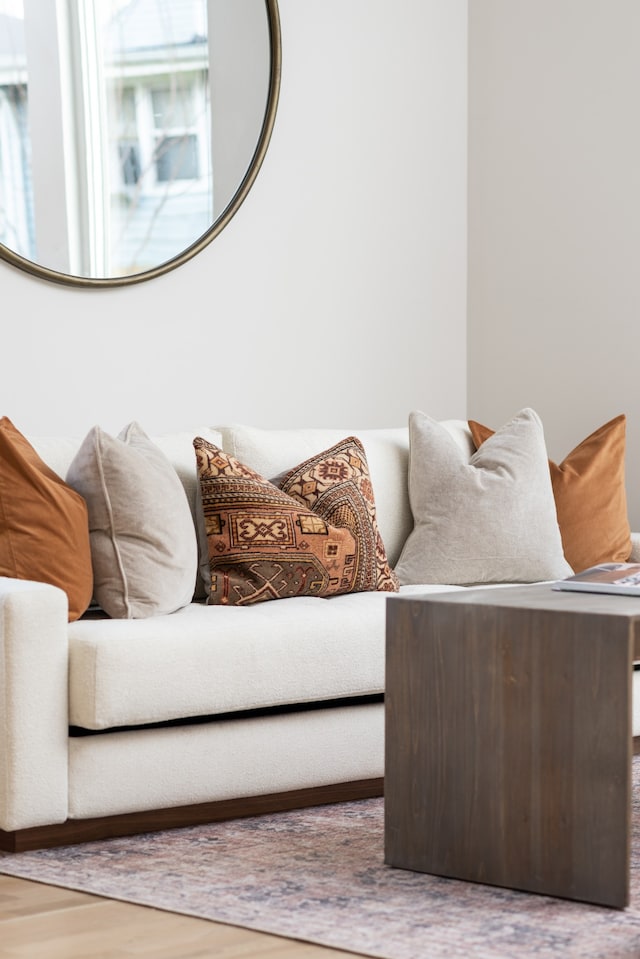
{"x":129,"y":155}
{"x":173,"y":108}
{"x":113,"y":163}
{"x":136,"y":142}
{"x":177,"y":159}
{"x":128,"y":148}
{"x":16,"y":221}
{"x":16,"y":192}
{"x":159,"y":129}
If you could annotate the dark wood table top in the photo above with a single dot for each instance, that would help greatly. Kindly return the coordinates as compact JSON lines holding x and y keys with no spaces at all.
{"x":540,"y":596}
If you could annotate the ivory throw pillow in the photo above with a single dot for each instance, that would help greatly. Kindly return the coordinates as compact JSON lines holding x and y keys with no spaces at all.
{"x":590,"y":494}
{"x":490,"y":518}
{"x":44,"y":529}
{"x":143,"y":540}
{"x":315,"y":536}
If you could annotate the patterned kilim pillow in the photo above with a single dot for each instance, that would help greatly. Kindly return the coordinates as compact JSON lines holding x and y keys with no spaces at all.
{"x":315,"y":536}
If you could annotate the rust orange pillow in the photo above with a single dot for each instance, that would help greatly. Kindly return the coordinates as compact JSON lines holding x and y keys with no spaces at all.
{"x":590,"y":495}
{"x":44,"y":529}
{"x":314,"y":535}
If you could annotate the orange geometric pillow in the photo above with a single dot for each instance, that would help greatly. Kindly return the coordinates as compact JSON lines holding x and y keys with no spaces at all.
{"x":44,"y":528}
{"x":316,"y":536}
{"x":590,"y":495}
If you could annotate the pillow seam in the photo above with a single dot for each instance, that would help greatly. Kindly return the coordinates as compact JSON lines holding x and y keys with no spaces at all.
{"x":112,"y":533}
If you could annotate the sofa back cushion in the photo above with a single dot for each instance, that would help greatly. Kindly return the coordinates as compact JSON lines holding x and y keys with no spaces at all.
{"x":58,"y":452}
{"x":272,"y":453}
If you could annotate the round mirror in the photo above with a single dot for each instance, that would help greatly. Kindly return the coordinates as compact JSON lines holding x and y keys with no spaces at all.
{"x":130,"y":130}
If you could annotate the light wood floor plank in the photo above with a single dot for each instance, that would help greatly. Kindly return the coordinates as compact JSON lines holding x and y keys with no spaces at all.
{"x":21,"y":898}
{"x":38,"y":921}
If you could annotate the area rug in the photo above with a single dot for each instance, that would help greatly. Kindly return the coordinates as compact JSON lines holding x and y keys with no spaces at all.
{"x":318,"y":875}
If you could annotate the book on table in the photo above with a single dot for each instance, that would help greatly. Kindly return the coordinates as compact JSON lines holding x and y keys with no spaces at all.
{"x":621,"y":578}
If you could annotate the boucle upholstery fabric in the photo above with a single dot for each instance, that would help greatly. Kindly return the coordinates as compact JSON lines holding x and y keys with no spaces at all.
{"x":34,"y":712}
{"x":44,"y":528}
{"x":218,"y":659}
{"x":590,"y":495}
{"x":227,"y":760}
{"x":59,"y":451}
{"x":143,"y":540}
{"x":488,"y":518}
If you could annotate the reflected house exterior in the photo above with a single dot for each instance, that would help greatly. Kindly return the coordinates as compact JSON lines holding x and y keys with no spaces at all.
{"x":150,"y":172}
{"x":158,"y":93}
{"x":16,"y":197}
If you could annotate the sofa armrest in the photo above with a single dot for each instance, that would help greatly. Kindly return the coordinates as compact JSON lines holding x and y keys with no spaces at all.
{"x":635,"y":548}
{"x":34,"y":723}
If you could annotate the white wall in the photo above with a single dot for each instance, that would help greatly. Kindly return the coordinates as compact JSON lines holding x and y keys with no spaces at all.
{"x":554,"y":218}
{"x":336,"y":296}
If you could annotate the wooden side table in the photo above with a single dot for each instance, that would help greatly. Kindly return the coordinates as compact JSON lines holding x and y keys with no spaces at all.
{"x":508,"y":738}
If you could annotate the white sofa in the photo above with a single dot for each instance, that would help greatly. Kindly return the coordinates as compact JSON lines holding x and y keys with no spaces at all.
{"x":111,"y":726}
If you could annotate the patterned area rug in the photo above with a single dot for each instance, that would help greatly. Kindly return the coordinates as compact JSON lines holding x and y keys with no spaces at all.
{"x":318,"y":875}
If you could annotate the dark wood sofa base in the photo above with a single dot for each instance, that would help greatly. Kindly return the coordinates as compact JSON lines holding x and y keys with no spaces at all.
{"x":109,"y":827}
{"x":128,"y":824}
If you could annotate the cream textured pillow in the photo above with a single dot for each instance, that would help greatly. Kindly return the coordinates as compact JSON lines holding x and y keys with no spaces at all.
{"x":143,"y":540}
{"x":591,"y":496}
{"x":490,"y":518}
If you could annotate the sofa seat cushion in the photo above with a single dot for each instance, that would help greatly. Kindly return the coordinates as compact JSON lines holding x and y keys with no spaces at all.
{"x":204,"y":660}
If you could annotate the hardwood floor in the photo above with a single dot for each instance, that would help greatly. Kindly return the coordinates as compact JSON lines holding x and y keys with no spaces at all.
{"x":46,"y":922}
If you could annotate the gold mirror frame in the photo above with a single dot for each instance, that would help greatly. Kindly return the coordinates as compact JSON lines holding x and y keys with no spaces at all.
{"x":68,"y":279}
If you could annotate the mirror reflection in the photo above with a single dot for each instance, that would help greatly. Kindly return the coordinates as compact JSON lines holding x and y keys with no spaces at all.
{"x":126,"y":126}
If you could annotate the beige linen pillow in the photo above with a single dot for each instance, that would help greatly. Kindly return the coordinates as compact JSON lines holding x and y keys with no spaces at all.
{"x":143,"y":540}
{"x":490,"y":518}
